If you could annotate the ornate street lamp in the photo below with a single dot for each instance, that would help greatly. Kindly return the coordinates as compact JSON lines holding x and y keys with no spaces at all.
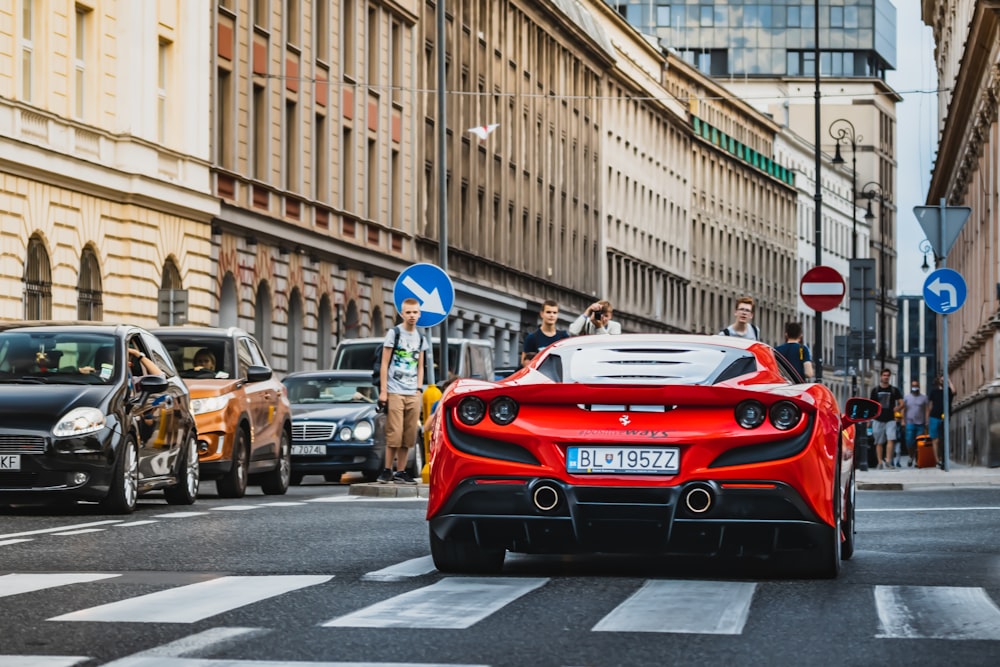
{"x":843,"y":130}
{"x":872,"y":191}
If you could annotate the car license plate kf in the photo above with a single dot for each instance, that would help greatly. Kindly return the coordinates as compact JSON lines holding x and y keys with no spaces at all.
{"x":308,"y":450}
{"x":10,"y":461}
{"x":623,"y":460}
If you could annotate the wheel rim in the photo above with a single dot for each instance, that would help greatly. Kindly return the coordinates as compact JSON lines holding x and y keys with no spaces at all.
{"x":192,"y":473}
{"x":130,"y":472}
{"x":285,"y":462}
{"x":241,"y":462}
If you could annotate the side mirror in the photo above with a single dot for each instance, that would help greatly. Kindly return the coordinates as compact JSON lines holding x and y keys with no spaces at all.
{"x":860,"y":410}
{"x":151,"y":384}
{"x":258,"y":373}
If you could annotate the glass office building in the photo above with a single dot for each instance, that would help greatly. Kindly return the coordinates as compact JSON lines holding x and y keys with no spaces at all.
{"x":772,"y":38}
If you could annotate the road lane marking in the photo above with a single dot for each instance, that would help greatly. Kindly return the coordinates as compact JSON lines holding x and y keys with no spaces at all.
{"x":414,"y":567}
{"x":211,"y":639}
{"x":81,"y":531}
{"x":936,"y":612}
{"x":690,"y":607}
{"x":43,"y":531}
{"x":234,"y":508}
{"x":927,"y":509}
{"x":195,"y":602}
{"x":180,"y":515}
{"x":454,"y":603}
{"x":129,"y":524}
{"x":16,"y":584}
{"x":43,"y":660}
{"x":282,"y":503}
{"x":4,"y":543}
{"x":157,"y":661}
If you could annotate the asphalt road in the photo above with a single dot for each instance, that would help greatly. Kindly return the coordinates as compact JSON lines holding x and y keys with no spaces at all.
{"x":322,"y":577}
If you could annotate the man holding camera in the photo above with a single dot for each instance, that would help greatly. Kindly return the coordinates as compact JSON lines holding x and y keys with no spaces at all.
{"x":596,"y":320}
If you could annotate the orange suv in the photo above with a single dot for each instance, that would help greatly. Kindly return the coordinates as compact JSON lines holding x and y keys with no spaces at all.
{"x":242,"y":411}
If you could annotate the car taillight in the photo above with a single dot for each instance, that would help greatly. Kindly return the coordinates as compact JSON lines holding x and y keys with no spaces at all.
{"x":750,"y":414}
{"x":785,"y":415}
{"x":503,"y":410}
{"x":471,"y":410}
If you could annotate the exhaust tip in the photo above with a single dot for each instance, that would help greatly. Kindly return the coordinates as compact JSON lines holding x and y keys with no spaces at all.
{"x":699,"y":499}
{"x":545,"y":497}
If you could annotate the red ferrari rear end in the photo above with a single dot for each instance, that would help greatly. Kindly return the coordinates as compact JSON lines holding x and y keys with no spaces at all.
{"x":676,"y":445}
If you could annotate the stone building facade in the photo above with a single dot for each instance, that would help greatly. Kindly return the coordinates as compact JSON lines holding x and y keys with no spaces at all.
{"x":105,"y":196}
{"x":967,"y":53}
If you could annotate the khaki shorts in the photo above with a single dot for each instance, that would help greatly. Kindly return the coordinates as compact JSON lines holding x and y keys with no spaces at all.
{"x":402,"y":417}
{"x":883,"y":431}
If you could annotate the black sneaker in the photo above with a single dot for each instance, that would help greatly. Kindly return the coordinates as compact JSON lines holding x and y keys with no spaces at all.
{"x":403,"y":477}
{"x":385,"y":476}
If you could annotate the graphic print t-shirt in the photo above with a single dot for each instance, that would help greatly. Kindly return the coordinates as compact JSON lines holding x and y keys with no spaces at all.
{"x":402,"y":372}
{"x":887,"y":398}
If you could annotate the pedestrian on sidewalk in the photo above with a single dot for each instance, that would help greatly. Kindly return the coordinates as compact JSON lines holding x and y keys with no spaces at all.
{"x":402,"y":374}
{"x":742,"y":327}
{"x":545,"y":335}
{"x":796,"y":352}
{"x":937,"y":400}
{"x":916,"y":409}
{"x":884,"y":426}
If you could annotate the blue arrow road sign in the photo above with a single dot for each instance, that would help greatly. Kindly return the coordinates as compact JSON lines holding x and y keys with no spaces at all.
{"x":944,"y":291}
{"x":429,"y":285}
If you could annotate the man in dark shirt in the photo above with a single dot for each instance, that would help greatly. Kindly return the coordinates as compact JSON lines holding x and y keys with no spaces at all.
{"x":935,"y":424}
{"x":884,"y":426}
{"x":795,"y":351}
{"x":545,"y":335}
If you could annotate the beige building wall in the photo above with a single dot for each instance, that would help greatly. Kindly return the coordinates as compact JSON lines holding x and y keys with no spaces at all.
{"x":967,"y":173}
{"x":743,"y":210}
{"x":103,"y":149}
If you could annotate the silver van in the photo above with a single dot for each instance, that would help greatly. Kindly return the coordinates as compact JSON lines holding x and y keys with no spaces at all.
{"x":467,"y":357}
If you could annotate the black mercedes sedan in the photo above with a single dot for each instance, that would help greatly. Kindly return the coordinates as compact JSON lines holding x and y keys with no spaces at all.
{"x":92,"y":412}
{"x":333,"y":424}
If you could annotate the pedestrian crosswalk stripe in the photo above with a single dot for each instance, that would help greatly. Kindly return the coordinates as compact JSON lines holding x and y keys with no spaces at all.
{"x":130,"y":524}
{"x":192,"y":645}
{"x":179,"y":515}
{"x":452,"y":603}
{"x":282,"y":503}
{"x":144,"y":661}
{"x":936,"y":612}
{"x":234,"y":508}
{"x":59,"y":529}
{"x":16,"y":584}
{"x":414,"y":567}
{"x":81,"y":531}
{"x":42,"y":660}
{"x":694,"y":607}
{"x":4,"y":543}
{"x":195,"y":602}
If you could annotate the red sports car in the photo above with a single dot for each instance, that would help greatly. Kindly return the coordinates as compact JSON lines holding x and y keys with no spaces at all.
{"x":645,"y":443}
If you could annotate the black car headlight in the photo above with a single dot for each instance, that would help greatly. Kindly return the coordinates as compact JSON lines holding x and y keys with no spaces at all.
{"x":471,"y":410}
{"x":750,"y":414}
{"x":785,"y":415}
{"x":79,"y":421}
{"x":503,"y":410}
{"x":363,"y":430}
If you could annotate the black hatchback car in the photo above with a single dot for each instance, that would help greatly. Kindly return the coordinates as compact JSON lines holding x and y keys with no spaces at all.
{"x":81,"y":418}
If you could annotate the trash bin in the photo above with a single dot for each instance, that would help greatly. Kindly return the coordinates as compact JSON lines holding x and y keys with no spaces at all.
{"x":862,"y":443}
{"x":925,"y":452}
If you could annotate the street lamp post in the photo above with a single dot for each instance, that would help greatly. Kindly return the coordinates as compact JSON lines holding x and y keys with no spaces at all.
{"x":843,"y":130}
{"x":872,"y":190}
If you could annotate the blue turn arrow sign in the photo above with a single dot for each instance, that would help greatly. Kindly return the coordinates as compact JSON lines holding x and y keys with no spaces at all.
{"x":944,"y":291}
{"x":429,"y":285}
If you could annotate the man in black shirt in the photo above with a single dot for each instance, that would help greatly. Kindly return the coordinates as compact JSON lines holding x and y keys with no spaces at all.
{"x":884,"y":426}
{"x":935,"y":425}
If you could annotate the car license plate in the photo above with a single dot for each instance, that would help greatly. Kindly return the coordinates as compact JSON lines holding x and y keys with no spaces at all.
{"x":308,"y":450}
{"x":623,"y":460}
{"x":10,"y":462}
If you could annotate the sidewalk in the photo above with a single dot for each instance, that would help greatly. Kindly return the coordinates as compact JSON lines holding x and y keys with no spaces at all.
{"x":924,"y":478}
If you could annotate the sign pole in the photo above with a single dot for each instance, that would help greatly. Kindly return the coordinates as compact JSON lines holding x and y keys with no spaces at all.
{"x":946,"y":388}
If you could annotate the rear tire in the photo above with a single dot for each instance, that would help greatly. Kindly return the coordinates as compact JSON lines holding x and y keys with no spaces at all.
{"x":848,"y":526}
{"x":185,"y":492}
{"x":124,"y":491}
{"x":828,"y":566}
{"x":234,"y":483}
{"x":275,"y":482}
{"x":455,"y":557}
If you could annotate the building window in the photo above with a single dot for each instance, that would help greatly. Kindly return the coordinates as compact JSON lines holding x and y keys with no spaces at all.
{"x":293,"y":15}
{"x":162,"y":86}
{"x":373,"y":47}
{"x":260,"y":134}
{"x":224,"y":115}
{"x":373,"y":171}
{"x":322,"y":30}
{"x":291,"y":147}
{"x":348,"y":51}
{"x":321,"y":160}
{"x":89,"y":303}
{"x":347,"y":170}
{"x":80,"y":59}
{"x":27,"y":49}
{"x":396,"y":191}
{"x":260,"y":13}
{"x":37,"y":282}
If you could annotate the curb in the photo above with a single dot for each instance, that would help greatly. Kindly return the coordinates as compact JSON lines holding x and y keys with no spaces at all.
{"x":376,"y":490}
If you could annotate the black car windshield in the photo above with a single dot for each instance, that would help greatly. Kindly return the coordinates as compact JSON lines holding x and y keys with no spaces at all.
{"x":329,"y":389}
{"x":67,"y":357}
{"x":201,"y":358}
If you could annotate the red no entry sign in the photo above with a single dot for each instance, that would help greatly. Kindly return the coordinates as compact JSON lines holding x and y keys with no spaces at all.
{"x":822,"y":288}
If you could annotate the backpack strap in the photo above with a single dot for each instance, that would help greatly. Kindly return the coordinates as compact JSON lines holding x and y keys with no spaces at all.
{"x":725,"y":332}
{"x":756,"y":331}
